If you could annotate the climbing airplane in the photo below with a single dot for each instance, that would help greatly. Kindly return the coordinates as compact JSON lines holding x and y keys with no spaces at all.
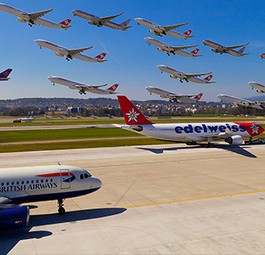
{"x":164,"y":30}
{"x":40,"y":183}
{"x":262,"y":55}
{"x":174,"y":98}
{"x":174,"y":74}
{"x":172,"y":49}
{"x":83,"y":88}
{"x":257,"y":86}
{"x":70,"y":53}
{"x":104,"y":21}
{"x":218,"y":48}
{"x":231,"y":132}
{"x":241,"y":102}
{"x":34,"y":17}
{"x":4,"y":74}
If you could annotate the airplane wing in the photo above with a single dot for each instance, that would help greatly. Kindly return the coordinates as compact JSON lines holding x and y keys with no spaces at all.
{"x":36,"y":15}
{"x":98,"y":86}
{"x":167,"y":28}
{"x":236,"y":47}
{"x":197,"y":74}
{"x":75,"y":51}
{"x":183,"y":47}
{"x":5,"y":200}
{"x":110,"y":17}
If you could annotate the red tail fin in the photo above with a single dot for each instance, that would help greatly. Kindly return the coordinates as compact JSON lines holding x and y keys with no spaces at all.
{"x":195,"y":51}
{"x":188,"y":32}
{"x":113,"y":87}
{"x":66,"y":22}
{"x":198,"y":97}
{"x":208,"y":78}
{"x":130,"y":113}
{"x":101,"y":55}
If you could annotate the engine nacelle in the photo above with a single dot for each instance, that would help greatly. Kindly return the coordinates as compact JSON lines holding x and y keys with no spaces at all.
{"x":13,"y":216}
{"x":61,"y":52}
{"x":172,"y":76}
{"x":234,"y":140}
{"x":160,"y":49}
{"x":21,"y":20}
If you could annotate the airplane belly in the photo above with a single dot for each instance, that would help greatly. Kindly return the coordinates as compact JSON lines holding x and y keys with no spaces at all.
{"x":46,"y":23}
{"x":175,"y":34}
{"x":84,"y":58}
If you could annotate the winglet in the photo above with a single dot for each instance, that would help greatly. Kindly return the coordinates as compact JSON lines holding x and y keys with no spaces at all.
{"x":131,"y":113}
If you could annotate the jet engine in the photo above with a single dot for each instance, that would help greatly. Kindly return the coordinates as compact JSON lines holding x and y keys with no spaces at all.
{"x":13,"y":216}
{"x":172,"y":76}
{"x":61,"y":52}
{"x":21,"y":20}
{"x":234,"y":140}
{"x":160,"y":49}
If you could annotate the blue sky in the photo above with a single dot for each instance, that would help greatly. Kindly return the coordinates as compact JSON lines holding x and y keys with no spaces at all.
{"x":131,"y":62}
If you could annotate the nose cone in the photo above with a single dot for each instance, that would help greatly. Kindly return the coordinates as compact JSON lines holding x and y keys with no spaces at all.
{"x":96,"y":183}
{"x":39,"y":42}
{"x":138,"y":20}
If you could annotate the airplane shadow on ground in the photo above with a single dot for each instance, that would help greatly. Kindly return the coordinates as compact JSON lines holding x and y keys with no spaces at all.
{"x":9,"y":238}
{"x":235,"y":149}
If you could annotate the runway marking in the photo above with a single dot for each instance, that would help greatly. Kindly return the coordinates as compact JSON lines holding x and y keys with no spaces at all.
{"x":195,"y":199}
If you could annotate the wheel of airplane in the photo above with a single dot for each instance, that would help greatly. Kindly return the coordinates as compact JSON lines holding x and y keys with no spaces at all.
{"x":61,"y":210}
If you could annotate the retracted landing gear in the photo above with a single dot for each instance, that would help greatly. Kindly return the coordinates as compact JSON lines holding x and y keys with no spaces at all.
{"x":61,"y":209}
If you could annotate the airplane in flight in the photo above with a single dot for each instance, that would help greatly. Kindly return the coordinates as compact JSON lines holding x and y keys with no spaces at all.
{"x":173,"y":49}
{"x":83,"y":88}
{"x":104,"y":21}
{"x":34,"y":17}
{"x":70,"y":53}
{"x":4,"y":74}
{"x":218,"y":48}
{"x":164,"y":30}
{"x":262,"y":55}
{"x":231,"y":132}
{"x":174,"y":74}
{"x":40,"y":183}
{"x":241,"y":102}
{"x":174,"y":98}
{"x":257,"y":86}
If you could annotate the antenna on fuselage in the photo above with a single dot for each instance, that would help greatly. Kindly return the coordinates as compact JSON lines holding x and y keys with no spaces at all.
{"x":59,"y":163}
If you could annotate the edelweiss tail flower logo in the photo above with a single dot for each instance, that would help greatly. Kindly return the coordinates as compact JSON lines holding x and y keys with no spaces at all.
{"x":254,"y":128}
{"x":132,"y":115}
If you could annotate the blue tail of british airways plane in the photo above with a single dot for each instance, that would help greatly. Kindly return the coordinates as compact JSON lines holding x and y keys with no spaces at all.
{"x":4,"y":74}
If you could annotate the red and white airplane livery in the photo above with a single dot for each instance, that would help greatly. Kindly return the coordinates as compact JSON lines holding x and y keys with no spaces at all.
{"x":40,"y":183}
{"x":70,"y":53}
{"x":231,"y":132}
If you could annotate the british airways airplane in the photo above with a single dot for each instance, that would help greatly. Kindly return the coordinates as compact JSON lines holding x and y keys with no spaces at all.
{"x":231,"y":132}
{"x":35,"y":17}
{"x":4,"y":74}
{"x":40,"y":183}
{"x":70,"y":53}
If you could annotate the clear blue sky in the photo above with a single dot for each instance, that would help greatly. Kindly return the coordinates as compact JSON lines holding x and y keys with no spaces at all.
{"x":131,"y":62}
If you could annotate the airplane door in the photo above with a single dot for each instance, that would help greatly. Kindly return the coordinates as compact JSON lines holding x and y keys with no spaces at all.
{"x":65,"y":179}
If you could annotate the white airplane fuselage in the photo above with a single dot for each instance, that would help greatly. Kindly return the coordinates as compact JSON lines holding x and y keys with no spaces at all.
{"x":63,"y":52}
{"x":40,"y":183}
{"x":189,"y":132}
{"x":257,"y":86}
{"x":24,"y":17}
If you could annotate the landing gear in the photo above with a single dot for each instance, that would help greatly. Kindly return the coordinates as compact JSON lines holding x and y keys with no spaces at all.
{"x":61,"y":209}
{"x":69,"y":57}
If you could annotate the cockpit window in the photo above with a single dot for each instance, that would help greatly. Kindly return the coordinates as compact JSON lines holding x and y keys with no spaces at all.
{"x":81,"y":176}
{"x":87,"y":175}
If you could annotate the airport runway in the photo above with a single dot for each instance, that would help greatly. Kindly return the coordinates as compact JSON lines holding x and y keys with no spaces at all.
{"x":156,"y":199}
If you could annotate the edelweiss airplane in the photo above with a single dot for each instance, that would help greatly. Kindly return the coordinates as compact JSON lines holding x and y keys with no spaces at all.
{"x":40,"y":183}
{"x":34,"y":17}
{"x":242,"y":102}
{"x":231,"y":132}
{"x":83,"y":88}
{"x":172,"y":49}
{"x":174,"y":74}
{"x":218,"y":48}
{"x":174,"y":98}
{"x":104,"y":21}
{"x":257,"y":86}
{"x":70,"y":53}
{"x":4,"y":74}
{"x":164,"y":30}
